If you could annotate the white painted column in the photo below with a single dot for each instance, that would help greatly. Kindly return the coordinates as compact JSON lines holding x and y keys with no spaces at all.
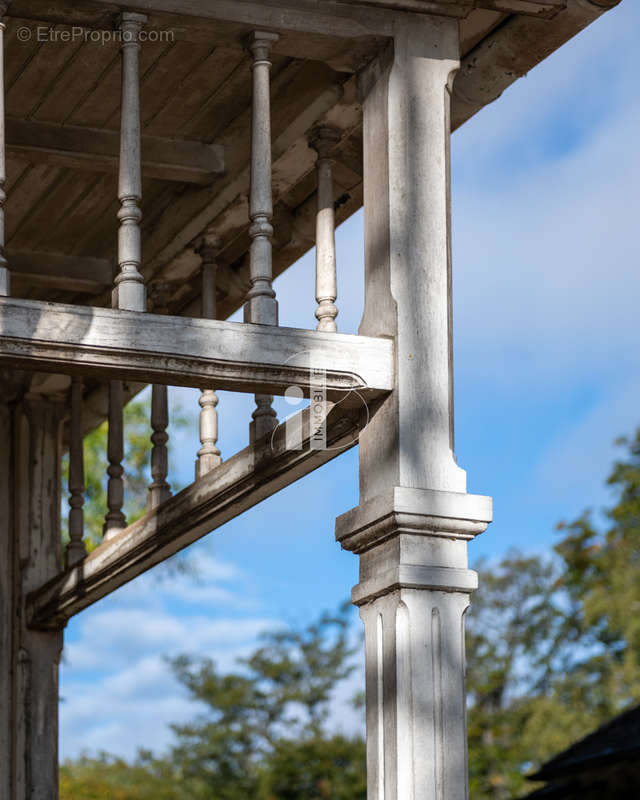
{"x":129,"y":284}
{"x":5,"y":276}
{"x":76,"y":549}
{"x":261,"y":307}
{"x":115,"y":519}
{"x":209,"y":454}
{"x":415,"y":517}
{"x":322,"y":141}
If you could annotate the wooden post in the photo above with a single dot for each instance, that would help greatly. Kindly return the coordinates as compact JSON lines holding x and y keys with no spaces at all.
{"x":322,"y":140}
{"x":415,"y":517}
{"x":76,"y":549}
{"x":209,"y":454}
{"x":30,"y":555}
{"x":261,"y":307}
{"x":115,"y":520}
{"x":159,"y":490}
{"x":5,"y":277}
{"x":129,"y":284}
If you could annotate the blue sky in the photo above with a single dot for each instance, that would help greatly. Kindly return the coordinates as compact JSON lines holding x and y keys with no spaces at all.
{"x":546,"y":187}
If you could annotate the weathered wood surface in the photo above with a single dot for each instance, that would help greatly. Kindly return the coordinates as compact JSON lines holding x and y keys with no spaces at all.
{"x":198,"y":89}
{"x":59,"y":271}
{"x":202,"y":353}
{"x":30,"y":550}
{"x":96,"y":150}
{"x":253,"y":474}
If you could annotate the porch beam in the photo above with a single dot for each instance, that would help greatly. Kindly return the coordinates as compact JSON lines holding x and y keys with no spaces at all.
{"x":111,"y":344}
{"x":97,"y":150}
{"x":60,"y":271}
{"x":253,"y":474}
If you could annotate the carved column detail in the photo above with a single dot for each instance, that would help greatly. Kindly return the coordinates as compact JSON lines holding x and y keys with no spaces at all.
{"x":414,"y":589}
{"x":115,"y":520}
{"x":323,"y":139}
{"x":261,"y":307}
{"x":5,"y":276}
{"x":415,"y":517}
{"x":129,"y":284}
{"x":76,"y":549}
{"x":209,"y":454}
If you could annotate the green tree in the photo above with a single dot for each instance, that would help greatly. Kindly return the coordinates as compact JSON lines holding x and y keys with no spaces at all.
{"x":554,"y":646}
{"x":136,"y":462}
{"x":553,"y":651}
{"x":263,"y":734}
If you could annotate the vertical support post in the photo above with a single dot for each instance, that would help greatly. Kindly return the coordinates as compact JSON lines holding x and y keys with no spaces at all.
{"x":30,"y":538}
{"x":115,"y":520}
{"x":261,"y":307}
{"x":209,"y":454}
{"x":159,"y":490}
{"x":129,"y":284}
{"x":323,"y":139}
{"x":76,"y":549}
{"x":5,"y":276}
{"x":415,"y":517}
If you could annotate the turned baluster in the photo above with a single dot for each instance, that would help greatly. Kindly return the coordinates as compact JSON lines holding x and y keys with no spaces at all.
{"x":261,"y":306}
{"x":159,"y":489}
{"x":323,"y":139}
{"x":5,"y":277}
{"x":76,"y":549}
{"x":208,"y":455}
{"x":115,"y":520}
{"x":129,"y":283}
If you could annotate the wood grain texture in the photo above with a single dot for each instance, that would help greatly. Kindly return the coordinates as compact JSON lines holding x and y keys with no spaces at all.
{"x":250,"y":476}
{"x":189,"y":352}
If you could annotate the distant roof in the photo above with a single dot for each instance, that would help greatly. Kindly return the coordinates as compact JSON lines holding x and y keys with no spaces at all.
{"x":617,"y":740}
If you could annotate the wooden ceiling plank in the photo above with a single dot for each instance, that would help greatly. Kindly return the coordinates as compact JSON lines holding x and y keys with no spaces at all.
{"x":60,"y":271}
{"x":53,"y":206}
{"x":36,"y":80}
{"x":33,"y":184}
{"x":98,"y":150}
{"x":69,"y":92}
{"x":167,"y":78}
{"x":194,"y":92}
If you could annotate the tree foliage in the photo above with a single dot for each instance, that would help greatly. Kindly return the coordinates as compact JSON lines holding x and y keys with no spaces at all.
{"x":136,"y":463}
{"x":553,"y":651}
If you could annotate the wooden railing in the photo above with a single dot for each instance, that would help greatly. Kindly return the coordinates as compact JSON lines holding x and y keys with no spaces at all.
{"x":128,"y":342}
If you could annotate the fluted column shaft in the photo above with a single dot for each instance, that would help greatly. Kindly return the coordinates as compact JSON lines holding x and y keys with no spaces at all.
{"x":415,"y":518}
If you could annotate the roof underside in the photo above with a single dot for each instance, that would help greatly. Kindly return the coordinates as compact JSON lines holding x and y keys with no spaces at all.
{"x":63,"y":99}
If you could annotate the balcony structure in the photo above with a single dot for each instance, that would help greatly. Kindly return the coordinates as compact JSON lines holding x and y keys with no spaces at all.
{"x":163,"y":162}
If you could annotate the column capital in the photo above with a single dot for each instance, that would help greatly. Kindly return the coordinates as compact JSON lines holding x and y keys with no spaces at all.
{"x":323,"y":138}
{"x":418,"y":512}
{"x":413,"y":539}
{"x":259,"y":43}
